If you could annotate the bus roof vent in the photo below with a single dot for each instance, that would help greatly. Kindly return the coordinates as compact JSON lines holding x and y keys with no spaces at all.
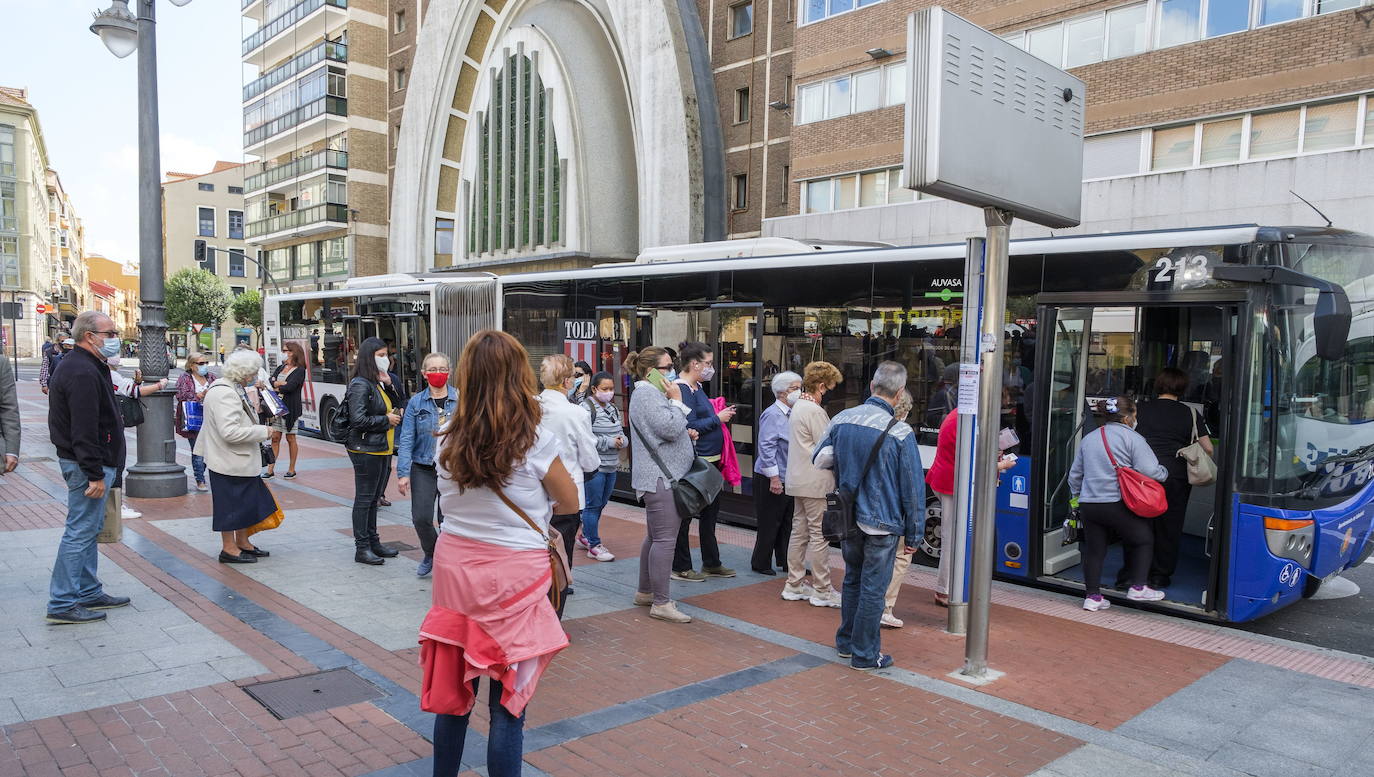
{"x":410,"y":279}
{"x":742,"y":249}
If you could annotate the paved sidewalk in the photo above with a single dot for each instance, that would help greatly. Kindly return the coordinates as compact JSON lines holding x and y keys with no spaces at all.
{"x":753,"y":686}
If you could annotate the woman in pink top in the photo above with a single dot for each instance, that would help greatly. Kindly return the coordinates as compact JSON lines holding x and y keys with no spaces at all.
{"x":941,"y":481}
{"x":500,"y":481}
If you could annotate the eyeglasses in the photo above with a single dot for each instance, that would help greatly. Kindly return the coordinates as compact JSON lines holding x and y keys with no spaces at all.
{"x":579,"y":374}
{"x":111,"y":334}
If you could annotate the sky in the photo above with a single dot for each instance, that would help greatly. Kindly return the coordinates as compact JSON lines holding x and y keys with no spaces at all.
{"x":87,"y":102}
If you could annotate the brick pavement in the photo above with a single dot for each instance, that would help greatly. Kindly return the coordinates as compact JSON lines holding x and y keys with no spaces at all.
{"x":750,"y":689}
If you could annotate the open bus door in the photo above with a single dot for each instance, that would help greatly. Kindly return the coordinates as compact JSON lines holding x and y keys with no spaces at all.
{"x":1090,"y":348}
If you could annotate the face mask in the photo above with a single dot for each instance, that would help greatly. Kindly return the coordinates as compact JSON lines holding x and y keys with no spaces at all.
{"x":671,"y":376}
{"x":110,"y":347}
{"x":436,"y":379}
{"x":708,"y":372}
{"x":605,"y":397}
{"x":793,"y":397}
{"x":202,"y":370}
{"x":383,"y":362}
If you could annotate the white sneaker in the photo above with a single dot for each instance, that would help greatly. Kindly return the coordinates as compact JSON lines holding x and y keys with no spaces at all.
{"x":891,"y":621}
{"x":829,"y":598}
{"x":599,"y":553}
{"x":798,"y":593}
{"x":129,"y":513}
{"x":668,"y":611}
{"x":1144,"y":594}
{"x":1093,"y":605}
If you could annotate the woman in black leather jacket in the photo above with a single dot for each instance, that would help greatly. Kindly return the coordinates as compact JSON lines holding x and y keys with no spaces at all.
{"x":374,"y":411}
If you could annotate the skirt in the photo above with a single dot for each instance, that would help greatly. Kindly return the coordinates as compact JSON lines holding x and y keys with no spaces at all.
{"x":243,"y":503}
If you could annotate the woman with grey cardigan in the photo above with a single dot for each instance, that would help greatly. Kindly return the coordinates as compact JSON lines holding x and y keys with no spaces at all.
{"x":658,"y":426}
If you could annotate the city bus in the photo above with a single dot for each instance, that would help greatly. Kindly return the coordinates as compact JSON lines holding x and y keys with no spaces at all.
{"x":1252,"y":314}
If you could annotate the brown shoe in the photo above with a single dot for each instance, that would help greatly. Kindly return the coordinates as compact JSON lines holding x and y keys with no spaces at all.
{"x":942,"y":600}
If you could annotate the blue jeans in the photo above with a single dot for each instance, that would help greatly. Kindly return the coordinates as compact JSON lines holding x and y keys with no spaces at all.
{"x":598,"y":488}
{"x":197,"y":463}
{"x":505,"y":739}
{"x":867,"y":571}
{"x":73,"y":574}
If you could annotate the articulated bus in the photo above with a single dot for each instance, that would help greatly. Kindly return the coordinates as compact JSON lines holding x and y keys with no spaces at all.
{"x":1281,"y":367}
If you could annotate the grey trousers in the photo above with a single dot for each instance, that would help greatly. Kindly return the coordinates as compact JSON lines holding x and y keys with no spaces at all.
{"x":424,"y":497}
{"x":660,"y":538}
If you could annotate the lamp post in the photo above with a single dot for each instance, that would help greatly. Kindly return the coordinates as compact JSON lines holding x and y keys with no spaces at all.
{"x":157,"y":473}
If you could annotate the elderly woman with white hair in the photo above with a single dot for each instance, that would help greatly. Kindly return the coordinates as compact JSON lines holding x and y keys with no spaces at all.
{"x":772,"y":505}
{"x":231,"y":440}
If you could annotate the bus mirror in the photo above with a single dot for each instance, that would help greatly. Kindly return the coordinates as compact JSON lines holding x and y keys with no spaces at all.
{"x":1331,"y":323}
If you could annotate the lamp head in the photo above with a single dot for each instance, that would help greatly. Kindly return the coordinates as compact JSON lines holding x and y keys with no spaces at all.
{"x":179,"y":3}
{"x":117,"y":28}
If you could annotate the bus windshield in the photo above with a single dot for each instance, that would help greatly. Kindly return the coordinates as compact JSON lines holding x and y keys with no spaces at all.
{"x":1323,"y":410}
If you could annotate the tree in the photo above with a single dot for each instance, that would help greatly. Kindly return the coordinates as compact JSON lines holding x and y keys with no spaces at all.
{"x":247,"y":310}
{"x":196,"y":296}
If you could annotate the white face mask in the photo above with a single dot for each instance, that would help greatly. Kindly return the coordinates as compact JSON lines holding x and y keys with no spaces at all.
{"x":383,"y":362}
{"x":794,"y":397}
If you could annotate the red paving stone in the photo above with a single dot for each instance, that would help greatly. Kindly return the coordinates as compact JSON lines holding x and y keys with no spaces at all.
{"x":824,"y":721}
{"x":1125,"y":676}
{"x":24,"y":505}
{"x":215,"y":730}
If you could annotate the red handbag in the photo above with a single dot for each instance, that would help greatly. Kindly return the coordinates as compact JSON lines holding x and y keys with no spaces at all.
{"x":1142,"y":495}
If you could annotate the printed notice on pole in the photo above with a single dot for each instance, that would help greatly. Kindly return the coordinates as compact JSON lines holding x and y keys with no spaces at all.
{"x":968,"y":389}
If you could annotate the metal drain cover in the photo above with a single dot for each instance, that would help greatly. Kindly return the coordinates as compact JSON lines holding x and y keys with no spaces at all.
{"x":313,"y":693}
{"x":401,"y":546}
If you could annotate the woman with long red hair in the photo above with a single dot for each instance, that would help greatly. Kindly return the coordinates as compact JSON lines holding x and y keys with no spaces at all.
{"x":500,"y":481}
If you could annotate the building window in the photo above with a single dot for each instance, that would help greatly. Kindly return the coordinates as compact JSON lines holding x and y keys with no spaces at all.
{"x":857,"y":190}
{"x":236,"y":225}
{"x":517,"y":187}
{"x":204,"y":256}
{"x":398,"y":23}
{"x":852,"y":93}
{"x":335,"y":256}
{"x":205,"y":187}
{"x":742,"y":105}
{"x":786,"y":183}
{"x":207,"y":222}
{"x":9,"y":261}
{"x":7,"y":150}
{"x":740,"y":201}
{"x":236,"y":190}
{"x":400,"y":78}
{"x":237,"y":290}
{"x":307,"y":255}
{"x":279,"y":262}
{"x":1128,"y":30}
{"x":741,"y":19}
{"x":237,"y":264}
{"x":443,"y":242}
{"x":816,"y":10}
{"x":9,"y":213}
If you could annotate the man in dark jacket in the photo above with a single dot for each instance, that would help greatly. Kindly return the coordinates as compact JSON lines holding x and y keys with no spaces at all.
{"x":50,"y":360}
{"x":85,"y":426}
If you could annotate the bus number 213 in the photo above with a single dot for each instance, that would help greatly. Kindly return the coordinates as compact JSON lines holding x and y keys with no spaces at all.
{"x":1186,"y":268}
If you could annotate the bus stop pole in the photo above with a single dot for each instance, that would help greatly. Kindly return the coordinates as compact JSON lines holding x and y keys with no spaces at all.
{"x":961,"y":521}
{"x":986,"y":450}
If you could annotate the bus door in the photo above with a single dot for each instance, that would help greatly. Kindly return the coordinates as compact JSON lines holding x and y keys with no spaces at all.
{"x":740,"y":380}
{"x":1103,"y":349}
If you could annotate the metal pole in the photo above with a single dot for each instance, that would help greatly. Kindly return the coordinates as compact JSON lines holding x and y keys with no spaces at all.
{"x":14,"y":329}
{"x":157,"y":473}
{"x":989,"y":412}
{"x":964,"y":481}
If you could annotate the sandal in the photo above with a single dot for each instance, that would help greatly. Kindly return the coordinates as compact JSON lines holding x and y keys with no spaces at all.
{"x":942,"y":600}
{"x":290,"y":476}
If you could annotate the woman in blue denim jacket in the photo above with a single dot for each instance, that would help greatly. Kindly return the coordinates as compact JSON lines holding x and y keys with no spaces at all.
{"x":426,"y":414}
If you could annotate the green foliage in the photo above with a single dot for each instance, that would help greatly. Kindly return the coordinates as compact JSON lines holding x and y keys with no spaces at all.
{"x":196,"y":296}
{"x":247,"y":309}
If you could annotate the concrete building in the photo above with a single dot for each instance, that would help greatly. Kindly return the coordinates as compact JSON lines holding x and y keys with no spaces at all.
{"x":653,"y":123}
{"x":317,"y":127}
{"x":204,"y":226}
{"x":119,"y":285}
{"x":68,"y":288}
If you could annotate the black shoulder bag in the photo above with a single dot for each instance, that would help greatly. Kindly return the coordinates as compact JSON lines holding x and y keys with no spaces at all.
{"x":696,"y":489}
{"x":837,"y":522}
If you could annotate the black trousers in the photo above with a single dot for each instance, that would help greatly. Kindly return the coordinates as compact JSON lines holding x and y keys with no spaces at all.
{"x":424,"y":501}
{"x":774,"y":515}
{"x":706,"y":531}
{"x":369,"y":477}
{"x":1104,"y":523}
{"x":567,"y":525}
{"x":1168,"y":528}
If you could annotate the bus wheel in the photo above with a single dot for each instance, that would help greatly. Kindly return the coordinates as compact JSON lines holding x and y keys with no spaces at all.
{"x":328,"y":409}
{"x":930,"y":537}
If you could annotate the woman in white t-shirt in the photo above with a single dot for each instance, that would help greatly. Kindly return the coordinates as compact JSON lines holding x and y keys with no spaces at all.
{"x":499,"y":472}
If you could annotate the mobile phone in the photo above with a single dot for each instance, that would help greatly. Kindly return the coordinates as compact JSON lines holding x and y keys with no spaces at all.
{"x":657,"y":380}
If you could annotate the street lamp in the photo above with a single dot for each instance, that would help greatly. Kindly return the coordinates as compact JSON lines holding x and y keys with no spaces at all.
{"x":157,"y":473}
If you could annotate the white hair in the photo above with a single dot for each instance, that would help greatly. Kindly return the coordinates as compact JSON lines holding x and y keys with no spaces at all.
{"x":242,"y":367}
{"x":88,"y":321}
{"x":784,"y":380}
{"x":889,"y":379}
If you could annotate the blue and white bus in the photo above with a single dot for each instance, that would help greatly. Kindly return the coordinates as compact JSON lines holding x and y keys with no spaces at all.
{"x":1238,"y":308}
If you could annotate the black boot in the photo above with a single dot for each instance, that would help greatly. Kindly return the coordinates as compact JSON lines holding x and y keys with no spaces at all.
{"x":376,"y":547}
{"x":363,"y":553}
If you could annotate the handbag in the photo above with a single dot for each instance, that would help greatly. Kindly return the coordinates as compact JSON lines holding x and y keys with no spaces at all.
{"x":559,"y":567}
{"x":192,"y":415}
{"x":268,"y":457}
{"x":1202,"y":471}
{"x":838,"y":519}
{"x":1142,"y":495}
{"x":131,"y":409}
{"x":696,"y":489}
{"x":272,"y":403}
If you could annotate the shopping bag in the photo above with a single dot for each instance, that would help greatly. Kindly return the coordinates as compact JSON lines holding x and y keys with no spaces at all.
{"x":193,"y":415}
{"x":112,"y":530}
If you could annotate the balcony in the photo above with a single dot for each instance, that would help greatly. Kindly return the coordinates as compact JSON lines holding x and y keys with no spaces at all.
{"x":319,"y":160}
{"x":306,"y":221}
{"x":286,"y":21}
{"x":325,"y":50}
{"x":334,"y":106}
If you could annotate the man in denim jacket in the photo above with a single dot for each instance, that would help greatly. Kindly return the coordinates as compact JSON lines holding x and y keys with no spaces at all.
{"x":889,"y":507}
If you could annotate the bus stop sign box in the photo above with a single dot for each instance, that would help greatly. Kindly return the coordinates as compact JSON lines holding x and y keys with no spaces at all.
{"x":988,"y":124}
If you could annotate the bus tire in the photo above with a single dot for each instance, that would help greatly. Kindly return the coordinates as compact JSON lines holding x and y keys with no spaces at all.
{"x":930,"y":535}
{"x":328,"y":409}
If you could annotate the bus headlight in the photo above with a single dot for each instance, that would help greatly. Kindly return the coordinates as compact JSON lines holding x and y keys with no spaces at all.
{"x":1290,"y":538}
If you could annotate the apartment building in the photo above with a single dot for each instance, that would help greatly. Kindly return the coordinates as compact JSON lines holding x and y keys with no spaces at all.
{"x":69,"y":292}
{"x":204,"y":224}
{"x":318,"y":132}
{"x":115,"y":285}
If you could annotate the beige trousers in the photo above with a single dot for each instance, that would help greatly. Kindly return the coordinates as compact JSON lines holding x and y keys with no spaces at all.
{"x":806,"y":545}
{"x":899,"y":567}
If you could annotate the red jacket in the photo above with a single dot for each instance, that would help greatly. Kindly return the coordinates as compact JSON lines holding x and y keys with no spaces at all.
{"x":941,"y":475}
